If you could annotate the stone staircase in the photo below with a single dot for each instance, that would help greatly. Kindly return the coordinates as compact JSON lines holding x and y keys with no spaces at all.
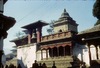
{"x":60,"y":62}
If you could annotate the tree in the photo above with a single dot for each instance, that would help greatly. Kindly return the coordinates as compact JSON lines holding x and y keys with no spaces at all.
{"x":51,"y":27}
{"x":98,"y":22}
{"x":19,"y":34}
{"x":96,"y":11}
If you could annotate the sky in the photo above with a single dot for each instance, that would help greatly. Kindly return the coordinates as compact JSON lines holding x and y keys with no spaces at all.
{"x":29,"y":11}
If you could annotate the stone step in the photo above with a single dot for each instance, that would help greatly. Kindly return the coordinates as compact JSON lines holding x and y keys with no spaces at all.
{"x":60,"y":62}
{"x":58,"y":59}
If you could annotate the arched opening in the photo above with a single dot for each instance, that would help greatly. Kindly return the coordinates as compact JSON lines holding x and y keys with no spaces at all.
{"x":61,"y":53}
{"x":60,"y":30}
{"x":50,"y":52}
{"x":67,"y":50}
{"x":55,"y":51}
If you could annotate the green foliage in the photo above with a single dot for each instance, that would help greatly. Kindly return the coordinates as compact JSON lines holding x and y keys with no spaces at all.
{"x":19,"y":34}
{"x":51,"y":27}
{"x":96,"y":9}
{"x":98,"y":22}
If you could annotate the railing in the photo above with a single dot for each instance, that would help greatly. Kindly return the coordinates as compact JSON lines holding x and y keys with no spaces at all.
{"x":56,"y":36}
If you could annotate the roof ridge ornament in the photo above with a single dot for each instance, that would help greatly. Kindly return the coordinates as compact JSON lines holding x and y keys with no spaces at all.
{"x":65,"y":14}
{"x":64,"y":10}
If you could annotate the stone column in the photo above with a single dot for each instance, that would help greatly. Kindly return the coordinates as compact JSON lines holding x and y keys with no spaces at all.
{"x":64,"y":50}
{"x":46,"y":54}
{"x":96,"y":52}
{"x":41,"y":55}
{"x":58,"y":51}
{"x":39,"y":34}
{"x":1,"y":7}
{"x":89,"y":52}
{"x":1,"y":49}
{"x":2,"y":35}
{"x":52,"y":51}
{"x":71,"y":50}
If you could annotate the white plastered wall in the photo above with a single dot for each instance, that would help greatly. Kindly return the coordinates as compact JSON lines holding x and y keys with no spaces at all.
{"x":93,"y":52}
{"x":38,"y":55}
{"x":72,"y":27}
{"x":81,"y":52}
{"x":26,"y":55}
{"x":62,"y":27}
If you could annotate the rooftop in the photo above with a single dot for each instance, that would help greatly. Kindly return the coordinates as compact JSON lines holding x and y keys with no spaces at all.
{"x":35,"y":25}
{"x":7,"y":22}
{"x":65,"y":18}
{"x":93,"y":29}
{"x":20,"y":38}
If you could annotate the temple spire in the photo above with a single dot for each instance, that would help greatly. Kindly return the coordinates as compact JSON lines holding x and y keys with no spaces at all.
{"x":64,"y":10}
{"x":65,"y":14}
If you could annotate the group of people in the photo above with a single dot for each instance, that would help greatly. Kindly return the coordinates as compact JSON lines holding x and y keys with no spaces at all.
{"x":8,"y":66}
{"x":36,"y":65}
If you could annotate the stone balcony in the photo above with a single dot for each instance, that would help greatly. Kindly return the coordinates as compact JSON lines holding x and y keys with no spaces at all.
{"x":56,"y":36}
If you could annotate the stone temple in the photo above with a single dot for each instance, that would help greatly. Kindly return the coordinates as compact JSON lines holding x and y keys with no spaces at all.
{"x":66,"y":46}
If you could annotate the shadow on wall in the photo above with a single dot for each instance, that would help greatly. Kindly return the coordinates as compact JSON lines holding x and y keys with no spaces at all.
{"x":20,"y":62}
{"x":78,"y":51}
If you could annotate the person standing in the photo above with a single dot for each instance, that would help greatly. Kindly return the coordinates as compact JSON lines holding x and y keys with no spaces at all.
{"x":54,"y":65}
{"x":44,"y":65}
{"x":35,"y":64}
{"x":40,"y":65}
